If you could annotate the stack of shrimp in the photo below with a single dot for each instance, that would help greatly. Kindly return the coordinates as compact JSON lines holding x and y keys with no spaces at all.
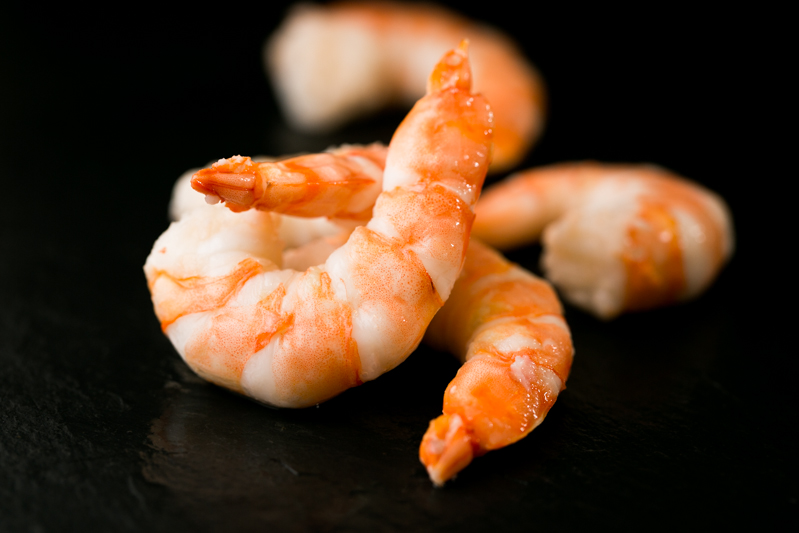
{"x":502,"y":322}
{"x":326,"y":270}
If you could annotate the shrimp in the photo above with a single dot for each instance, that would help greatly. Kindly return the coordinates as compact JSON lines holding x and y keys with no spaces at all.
{"x":616,"y":237}
{"x":329,"y":64}
{"x":506,"y":326}
{"x":504,"y":323}
{"x":295,"y":339}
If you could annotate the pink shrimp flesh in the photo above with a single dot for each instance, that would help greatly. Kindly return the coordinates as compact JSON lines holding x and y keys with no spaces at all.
{"x":295,"y":339}
{"x":616,"y":237}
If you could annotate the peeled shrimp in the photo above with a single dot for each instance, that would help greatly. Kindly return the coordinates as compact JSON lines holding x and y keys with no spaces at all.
{"x":294,"y":339}
{"x":331,"y":63}
{"x":503,"y":322}
{"x":616,"y":238}
{"x":506,"y":326}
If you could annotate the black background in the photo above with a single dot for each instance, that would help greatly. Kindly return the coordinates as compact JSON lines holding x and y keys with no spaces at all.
{"x":677,"y":417}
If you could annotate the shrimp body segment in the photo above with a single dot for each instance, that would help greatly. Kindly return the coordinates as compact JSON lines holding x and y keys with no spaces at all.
{"x":294,"y":339}
{"x":617,"y":237}
{"x":330,"y":63}
{"x":506,"y":326}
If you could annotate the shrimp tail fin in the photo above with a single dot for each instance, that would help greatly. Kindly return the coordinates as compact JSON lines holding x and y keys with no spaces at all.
{"x":340,"y":183}
{"x":453,"y":71}
{"x":446,"y":448}
{"x":233,"y":180}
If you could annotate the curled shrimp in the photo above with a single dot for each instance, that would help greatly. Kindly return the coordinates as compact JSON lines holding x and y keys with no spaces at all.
{"x":294,"y":339}
{"x":506,"y":326}
{"x":330,"y":63}
{"x":504,"y":323}
{"x":616,"y":237}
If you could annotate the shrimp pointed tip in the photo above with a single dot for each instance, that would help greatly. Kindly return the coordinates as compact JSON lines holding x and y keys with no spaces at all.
{"x":446,"y":448}
{"x":232,"y":180}
{"x":453,"y":71}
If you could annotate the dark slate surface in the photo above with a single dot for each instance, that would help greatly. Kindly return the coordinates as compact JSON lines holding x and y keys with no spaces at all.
{"x":677,"y":417}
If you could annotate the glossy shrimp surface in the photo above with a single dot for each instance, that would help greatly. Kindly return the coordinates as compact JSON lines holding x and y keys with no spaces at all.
{"x":616,"y":237}
{"x":506,"y":326}
{"x":294,"y":339}
{"x":330,"y":63}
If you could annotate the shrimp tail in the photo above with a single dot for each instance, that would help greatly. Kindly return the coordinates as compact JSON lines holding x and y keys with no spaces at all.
{"x":235,"y":180}
{"x":506,"y":325}
{"x":340,"y":183}
{"x":453,"y":71}
{"x":446,"y":448}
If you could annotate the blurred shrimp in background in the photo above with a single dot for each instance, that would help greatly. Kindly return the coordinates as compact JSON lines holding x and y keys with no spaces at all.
{"x":330,"y":63}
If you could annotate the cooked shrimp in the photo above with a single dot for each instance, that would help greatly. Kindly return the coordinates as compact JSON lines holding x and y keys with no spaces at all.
{"x":502,"y":319}
{"x":615,"y":237}
{"x":331,"y":63}
{"x":295,"y":339}
{"x":506,"y":326}
{"x":506,"y":323}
